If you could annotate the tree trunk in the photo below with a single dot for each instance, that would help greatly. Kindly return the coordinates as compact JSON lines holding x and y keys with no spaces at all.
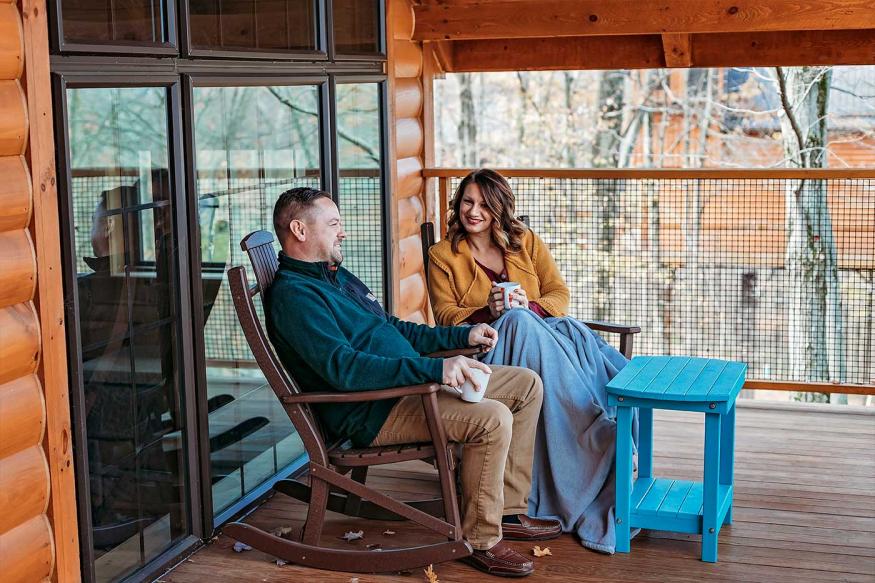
{"x":816,"y":339}
{"x":467,"y":122}
{"x":606,"y":147}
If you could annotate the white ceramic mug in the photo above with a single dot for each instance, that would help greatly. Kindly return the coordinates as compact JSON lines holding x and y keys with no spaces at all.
{"x":507,"y":288}
{"x":467,"y":392}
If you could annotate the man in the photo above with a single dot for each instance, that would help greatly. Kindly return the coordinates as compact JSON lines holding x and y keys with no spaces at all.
{"x":330,"y":330}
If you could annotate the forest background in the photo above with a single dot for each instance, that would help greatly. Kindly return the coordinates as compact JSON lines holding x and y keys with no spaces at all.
{"x":775,"y":272}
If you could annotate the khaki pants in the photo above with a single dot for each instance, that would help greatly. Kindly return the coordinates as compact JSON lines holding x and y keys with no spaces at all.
{"x":498,"y":435}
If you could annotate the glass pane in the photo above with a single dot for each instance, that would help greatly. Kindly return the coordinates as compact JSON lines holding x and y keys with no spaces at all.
{"x":357,"y":27}
{"x":115,"y":21}
{"x":253,"y":143}
{"x":361,"y":194}
{"x":265,"y":25}
{"x":126,"y":276}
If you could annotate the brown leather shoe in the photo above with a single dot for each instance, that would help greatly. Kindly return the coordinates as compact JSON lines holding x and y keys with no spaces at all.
{"x":501,"y":560}
{"x":531,"y":528}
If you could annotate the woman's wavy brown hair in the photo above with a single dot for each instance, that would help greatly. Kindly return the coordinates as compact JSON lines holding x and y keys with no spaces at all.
{"x":507,"y":230}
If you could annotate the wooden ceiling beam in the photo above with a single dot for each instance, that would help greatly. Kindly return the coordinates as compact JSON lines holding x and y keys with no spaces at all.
{"x":499,"y":19}
{"x":677,"y":49}
{"x":764,"y":49}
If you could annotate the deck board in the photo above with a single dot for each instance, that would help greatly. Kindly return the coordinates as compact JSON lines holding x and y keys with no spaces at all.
{"x":805,"y":513}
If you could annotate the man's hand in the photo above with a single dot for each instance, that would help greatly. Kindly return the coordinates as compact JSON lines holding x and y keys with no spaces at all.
{"x":457,"y":370}
{"x":483,"y":335}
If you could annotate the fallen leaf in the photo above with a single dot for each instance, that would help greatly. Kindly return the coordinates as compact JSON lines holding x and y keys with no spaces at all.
{"x":388,"y":532}
{"x":539,"y":552}
{"x":240,"y":547}
{"x":282,"y":531}
{"x":354,"y":580}
{"x":431,"y":575}
{"x":351,"y":536}
{"x":375,"y":547}
{"x":280,"y":562}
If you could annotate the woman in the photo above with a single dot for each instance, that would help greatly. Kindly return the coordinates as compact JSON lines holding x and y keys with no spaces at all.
{"x":573,"y":474}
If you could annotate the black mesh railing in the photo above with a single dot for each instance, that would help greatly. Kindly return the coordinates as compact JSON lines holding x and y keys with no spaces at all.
{"x":708,"y":267}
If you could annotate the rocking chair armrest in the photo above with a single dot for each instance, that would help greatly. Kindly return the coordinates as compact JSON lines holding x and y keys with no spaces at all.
{"x":360,"y":396}
{"x":611,"y":327}
{"x":471,"y":351}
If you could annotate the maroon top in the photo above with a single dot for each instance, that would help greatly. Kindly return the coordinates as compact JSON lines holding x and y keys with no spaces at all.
{"x":483,"y":315}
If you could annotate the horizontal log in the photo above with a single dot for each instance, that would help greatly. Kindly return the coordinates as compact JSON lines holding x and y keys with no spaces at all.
{"x":410,"y":180}
{"x":13,"y":119}
{"x":401,"y":13}
{"x":24,"y":486}
{"x":409,"y":256}
{"x":764,"y":49}
{"x":27,"y":551}
{"x":19,"y":342}
{"x":18,"y":275}
{"x":410,"y":216}
{"x":408,"y":98}
{"x":407,"y":59}
{"x":413,"y":295}
{"x":23,"y":414}
{"x":408,"y":138}
{"x":11,"y":42}
{"x":464,"y":20}
{"x":15,"y":193}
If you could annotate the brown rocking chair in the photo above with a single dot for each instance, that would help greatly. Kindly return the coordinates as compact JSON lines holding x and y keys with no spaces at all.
{"x":330,"y":462}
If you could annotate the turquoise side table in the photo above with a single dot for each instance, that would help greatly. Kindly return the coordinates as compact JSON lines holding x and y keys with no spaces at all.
{"x":683,"y":383}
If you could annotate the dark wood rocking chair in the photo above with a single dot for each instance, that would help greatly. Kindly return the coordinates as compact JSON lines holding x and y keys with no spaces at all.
{"x":627,"y":333}
{"x":330,"y":488}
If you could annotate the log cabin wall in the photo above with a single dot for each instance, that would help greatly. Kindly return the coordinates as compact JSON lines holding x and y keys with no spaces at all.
{"x":36,"y":482}
{"x":407,"y":155}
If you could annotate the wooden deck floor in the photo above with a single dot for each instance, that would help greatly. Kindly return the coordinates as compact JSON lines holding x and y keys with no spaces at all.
{"x":805,"y":512}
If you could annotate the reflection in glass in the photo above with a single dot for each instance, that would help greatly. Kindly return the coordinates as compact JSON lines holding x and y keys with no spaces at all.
{"x":127,"y":319}
{"x":252,"y":144}
{"x":361,"y":194}
{"x":114,"y":21}
{"x":265,"y":25}
{"x":356,"y":26}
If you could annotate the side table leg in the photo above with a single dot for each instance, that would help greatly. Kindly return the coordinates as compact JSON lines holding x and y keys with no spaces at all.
{"x":624,"y":478}
{"x":645,"y":443}
{"x":727,"y":456}
{"x":710,"y":528}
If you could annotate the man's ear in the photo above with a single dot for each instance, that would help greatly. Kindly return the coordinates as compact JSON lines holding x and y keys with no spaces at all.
{"x":298,"y":230}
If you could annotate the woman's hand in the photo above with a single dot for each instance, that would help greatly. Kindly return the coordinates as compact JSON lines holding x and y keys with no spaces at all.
{"x":495,"y":301}
{"x":519,"y":298}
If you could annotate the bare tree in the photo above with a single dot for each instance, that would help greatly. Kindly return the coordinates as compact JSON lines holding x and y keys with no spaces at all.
{"x":815,"y":312}
{"x":467,"y":121}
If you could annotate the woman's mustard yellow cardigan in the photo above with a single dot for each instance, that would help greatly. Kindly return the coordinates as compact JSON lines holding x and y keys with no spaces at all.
{"x":458,"y":288}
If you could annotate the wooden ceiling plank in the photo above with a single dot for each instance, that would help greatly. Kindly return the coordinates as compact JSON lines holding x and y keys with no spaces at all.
{"x":844,"y":47}
{"x":467,"y":20}
{"x":678,"y":50}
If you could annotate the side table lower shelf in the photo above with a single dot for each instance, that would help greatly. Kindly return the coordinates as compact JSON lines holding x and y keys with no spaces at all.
{"x":675,"y":505}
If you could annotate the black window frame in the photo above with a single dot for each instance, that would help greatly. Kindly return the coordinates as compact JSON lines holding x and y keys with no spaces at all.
{"x":59,"y":45}
{"x":174,"y":66}
{"x":184,"y":376}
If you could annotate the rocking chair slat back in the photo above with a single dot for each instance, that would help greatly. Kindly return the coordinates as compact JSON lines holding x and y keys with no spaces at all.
{"x":301,"y":415}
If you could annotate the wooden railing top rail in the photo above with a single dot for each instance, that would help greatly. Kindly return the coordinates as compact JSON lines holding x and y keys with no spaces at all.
{"x":665,"y":173}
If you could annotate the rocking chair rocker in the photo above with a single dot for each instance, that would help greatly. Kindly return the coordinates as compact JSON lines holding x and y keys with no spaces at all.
{"x":330,"y":462}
